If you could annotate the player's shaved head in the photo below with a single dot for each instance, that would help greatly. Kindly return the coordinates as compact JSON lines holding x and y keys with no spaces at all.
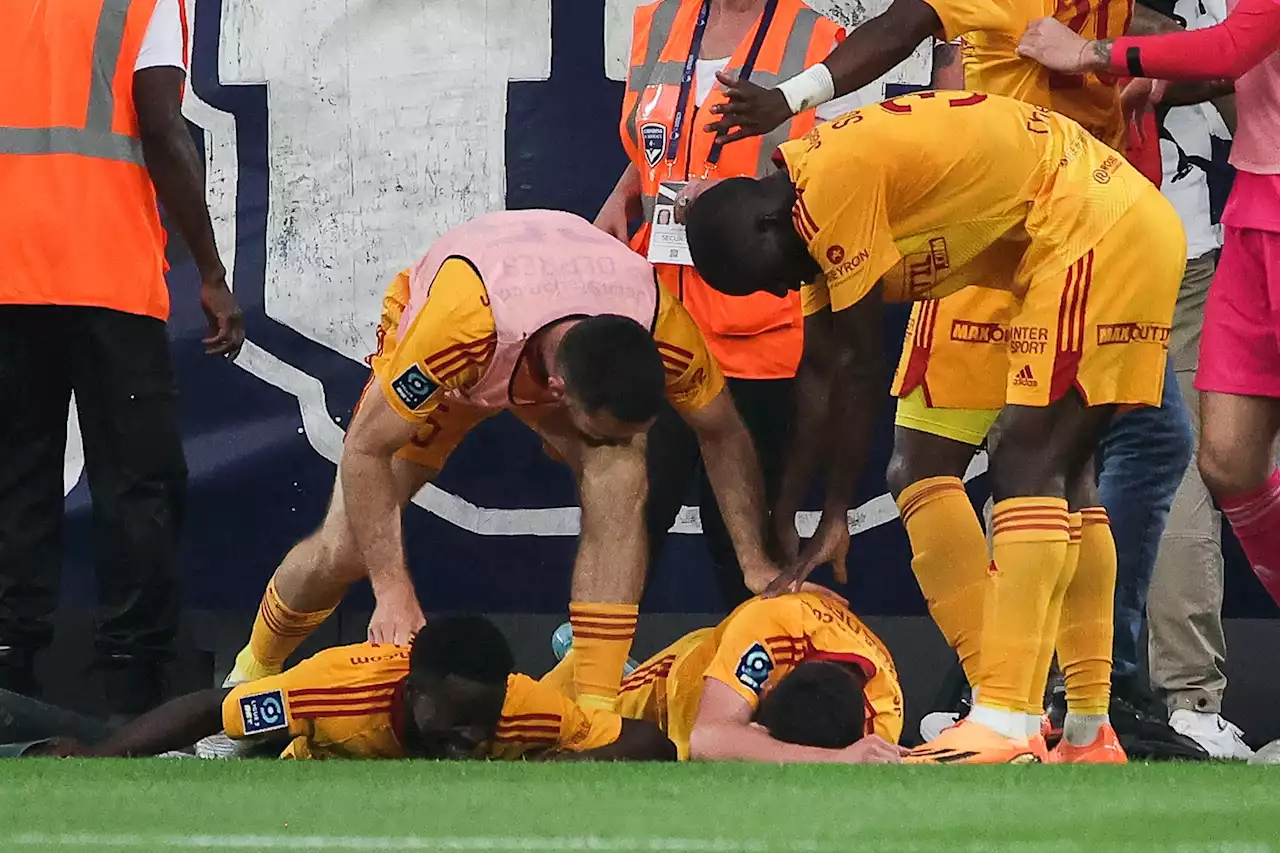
{"x":458,"y":670}
{"x":469,"y":647}
{"x":611,"y":368}
{"x":819,"y":703}
{"x":742,"y":240}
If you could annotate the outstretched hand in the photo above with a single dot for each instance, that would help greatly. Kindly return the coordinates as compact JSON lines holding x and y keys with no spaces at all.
{"x":751,"y":110}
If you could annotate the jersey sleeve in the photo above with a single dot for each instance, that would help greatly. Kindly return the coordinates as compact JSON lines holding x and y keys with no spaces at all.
{"x":261,"y":707}
{"x":1250,"y":32}
{"x":754,"y":643}
{"x":853,"y":249}
{"x":963,"y":16}
{"x":693,"y":375}
{"x":164,"y":42}
{"x":446,"y":346}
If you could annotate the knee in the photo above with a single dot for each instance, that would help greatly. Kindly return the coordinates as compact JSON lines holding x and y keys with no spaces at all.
{"x":1019,"y":469}
{"x":1224,"y":473}
{"x":899,"y":475}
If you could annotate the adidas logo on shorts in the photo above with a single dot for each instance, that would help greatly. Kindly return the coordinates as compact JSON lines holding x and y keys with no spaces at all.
{"x":1024,"y":378}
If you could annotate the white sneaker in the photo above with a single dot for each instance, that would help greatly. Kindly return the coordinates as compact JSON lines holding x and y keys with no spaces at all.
{"x":221,"y":746}
{"x":932,"y":725}
{"x":1269,"y":754}
{"x":1219,"y":738}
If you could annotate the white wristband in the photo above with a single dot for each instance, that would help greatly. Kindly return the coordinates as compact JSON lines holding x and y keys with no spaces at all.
{"x":809,"y":88}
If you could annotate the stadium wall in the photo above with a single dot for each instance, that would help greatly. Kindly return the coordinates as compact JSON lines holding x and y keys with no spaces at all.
{"x":340,"y":139}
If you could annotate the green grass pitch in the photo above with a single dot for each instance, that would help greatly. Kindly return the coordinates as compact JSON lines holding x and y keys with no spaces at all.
{"x":156,"y":804}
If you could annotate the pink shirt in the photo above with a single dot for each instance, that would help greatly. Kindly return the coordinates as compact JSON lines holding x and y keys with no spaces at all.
{"x":1246,"y":48}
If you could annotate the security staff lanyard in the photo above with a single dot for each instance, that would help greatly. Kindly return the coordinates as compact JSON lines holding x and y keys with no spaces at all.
{"x":690,"y":64}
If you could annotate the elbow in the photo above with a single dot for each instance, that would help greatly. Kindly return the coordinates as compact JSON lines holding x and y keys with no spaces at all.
{"x":706,"y":745}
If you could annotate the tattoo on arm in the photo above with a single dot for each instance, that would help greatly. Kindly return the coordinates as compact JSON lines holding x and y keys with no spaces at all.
{"x":1102,"y":52}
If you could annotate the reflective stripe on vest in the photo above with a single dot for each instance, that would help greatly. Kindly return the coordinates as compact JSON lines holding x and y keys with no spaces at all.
{"x":95,"y":139}
{"x":654,"y":72}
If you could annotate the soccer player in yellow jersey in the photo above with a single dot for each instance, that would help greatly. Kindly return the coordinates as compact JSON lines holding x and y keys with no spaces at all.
{"x":796,"y":678}
{"x":452,"y":695}
{"x":957,"y":348}
{"x":870,"y":207}
{"x":590,"y":384}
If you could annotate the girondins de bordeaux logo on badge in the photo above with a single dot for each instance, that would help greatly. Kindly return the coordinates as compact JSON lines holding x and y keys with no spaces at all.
{"x":654,"y":136}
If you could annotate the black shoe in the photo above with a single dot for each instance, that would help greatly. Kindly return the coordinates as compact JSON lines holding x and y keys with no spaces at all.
{"x":18,"y":671}
{"x":1142,"y":724}
{"x":131,"y":685}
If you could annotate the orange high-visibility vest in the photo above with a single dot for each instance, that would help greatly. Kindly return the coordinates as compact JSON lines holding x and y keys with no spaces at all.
{"x":753,"y":337}
{"x":78,"y":223}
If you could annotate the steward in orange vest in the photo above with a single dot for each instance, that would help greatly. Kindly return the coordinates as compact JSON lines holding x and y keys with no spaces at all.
{"x":677,"y":48}
{"x":91,"y":131}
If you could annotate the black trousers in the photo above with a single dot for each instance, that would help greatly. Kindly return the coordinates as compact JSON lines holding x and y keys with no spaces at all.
{"x":675,"y":462}
{"x":118,"y":366}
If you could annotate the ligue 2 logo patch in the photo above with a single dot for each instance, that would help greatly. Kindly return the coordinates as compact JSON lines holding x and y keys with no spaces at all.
{"x":414,"y":387}
{"x":263,"y":712}
{"x":754,"y":668}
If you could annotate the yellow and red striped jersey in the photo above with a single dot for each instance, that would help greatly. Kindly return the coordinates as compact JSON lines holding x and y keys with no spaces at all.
{"x":453,"y":339}
{"x":753,"y":648}
{"x":347,"y":702}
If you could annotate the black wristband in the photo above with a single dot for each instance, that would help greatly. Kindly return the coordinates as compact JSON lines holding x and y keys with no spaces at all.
{"x":1133,"y":58}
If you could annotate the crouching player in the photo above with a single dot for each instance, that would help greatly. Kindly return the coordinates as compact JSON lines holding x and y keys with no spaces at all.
{"x":451,"y":695}
{"x":797,"y":678}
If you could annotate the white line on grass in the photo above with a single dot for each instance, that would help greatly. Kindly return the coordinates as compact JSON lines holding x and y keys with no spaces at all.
{"x":548,"y":844}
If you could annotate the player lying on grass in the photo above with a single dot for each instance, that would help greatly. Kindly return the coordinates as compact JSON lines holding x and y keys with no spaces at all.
{"x":540,"y":313}
{"x":885,"y":204}
{"x":452,"y":695}
{"x":796,"y":678}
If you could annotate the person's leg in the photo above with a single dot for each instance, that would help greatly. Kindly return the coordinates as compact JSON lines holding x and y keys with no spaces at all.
{"x":609,"y":569}
{"x":765,"y":408}
{"x":129,"y":420}
{"x":1239,"y":381}
{"x":1041,"y":450}
{"x":1142,"y":460}
{"x":34,"y":395}
{"x":1185,"y":645}
{"x":949,"y":554}
{"x":314,"y":576}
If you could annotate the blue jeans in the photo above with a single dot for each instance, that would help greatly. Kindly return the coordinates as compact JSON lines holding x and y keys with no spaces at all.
{"x":1141,"y":462}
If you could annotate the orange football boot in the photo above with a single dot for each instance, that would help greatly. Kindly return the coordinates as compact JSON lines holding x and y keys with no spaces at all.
{"x":1105,"y":749}
{"x":1039,"y":748}
{"x":972,"y":743}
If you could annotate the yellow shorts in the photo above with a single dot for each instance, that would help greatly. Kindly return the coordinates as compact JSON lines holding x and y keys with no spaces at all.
{"x":1101,"y":326}
{"x":666,"y":688}
{"x":968,"y":426}
{"x":955,"y":351}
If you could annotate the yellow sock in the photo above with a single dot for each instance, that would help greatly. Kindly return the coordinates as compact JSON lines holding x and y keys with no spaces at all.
{"x":602,"y":635}
{"x":1029,"y":544}
{"x":1044,"y":659}
{"x":560,"y":678}
{"x":278,"y":630}
{"x":1088,"y":611}
{"x":950,"y":559}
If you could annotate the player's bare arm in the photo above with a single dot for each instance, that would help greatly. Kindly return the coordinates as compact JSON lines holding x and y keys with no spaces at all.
{"x":723,"y":731}
{"x":734,"y":471}
{"x":870,"y":51}
{"x":370,"y":496}
{"x":839,"y":385}
{"x":174,"y":725}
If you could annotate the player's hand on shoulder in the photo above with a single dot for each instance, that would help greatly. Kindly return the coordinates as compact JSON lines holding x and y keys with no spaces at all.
{"x":397,"y":617}
{"x":872,"y":749}
{"x":1055,"y":46}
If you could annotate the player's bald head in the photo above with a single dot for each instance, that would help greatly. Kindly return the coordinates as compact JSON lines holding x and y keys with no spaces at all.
{"x":742,"y":240}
